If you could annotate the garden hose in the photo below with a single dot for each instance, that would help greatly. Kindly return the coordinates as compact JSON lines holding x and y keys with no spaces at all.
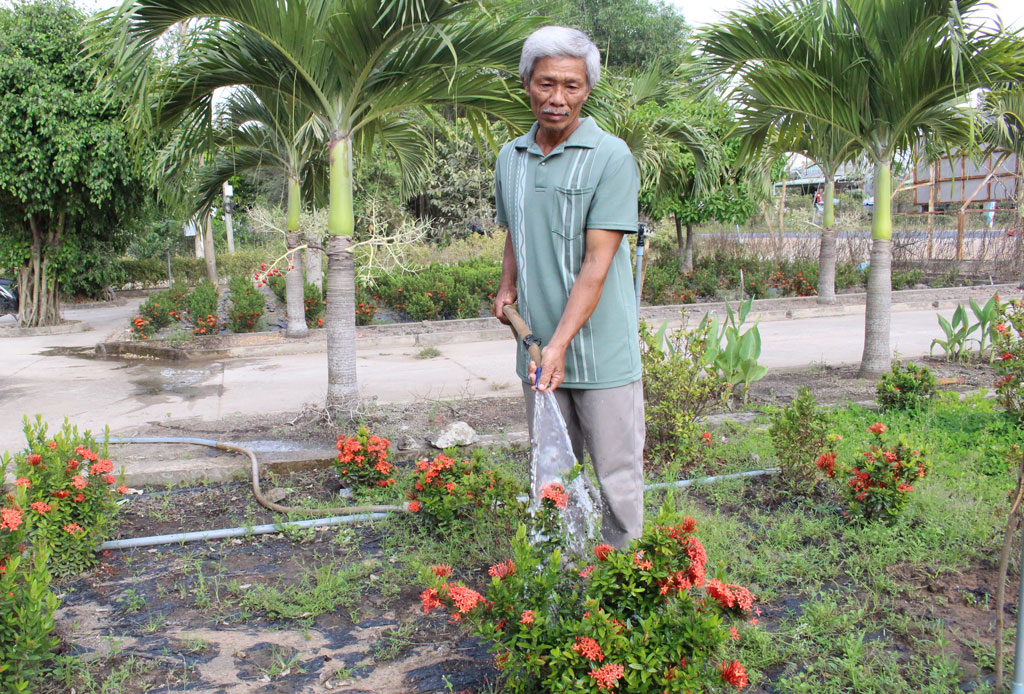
{"x":522,"y":332}
{"x":257,"y":492}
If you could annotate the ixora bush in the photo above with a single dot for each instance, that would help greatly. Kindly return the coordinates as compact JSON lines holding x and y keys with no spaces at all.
{"x":1009,"y":356}
{"x":70,"y":486}
{"x":247,"y":305}
{"x":447,"y":491}
{"x":158,"y":311}
{"x":362,"y":460}
{"x":906,"y":387}
{"x":799,"y":432}
{"x":27,"y":604}
{"x":643,"y":619}
{"x":879,"y":485}
{"x":202,"y":309}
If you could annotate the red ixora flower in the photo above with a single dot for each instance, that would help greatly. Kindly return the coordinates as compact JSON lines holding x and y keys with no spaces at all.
{"x":34,"y":459}
{"x":827,"y":463}
{"x":556,"y":493}
{"x":442,"y":570}
{"x":78,"y":482}
{"x":527,"y":617}
{"x":40,"y":506}
{"x":607,"y":676}
{"x":588,"y":648}
{"x":878,"y":428}
{"x":430,"y":601}
{"x":414,"y":506}
{"x":502,"y":569}
{"x":10,"y":518}
{"x":23,"y":482}
{"x":72,"y":528}
{"x":465,"y":598}
{"x":1007,"y":356}
{"x":734,"y":674}
{"x":603,"y":551}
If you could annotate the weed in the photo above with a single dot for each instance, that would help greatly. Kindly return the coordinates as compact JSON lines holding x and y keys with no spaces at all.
{"x":427,"y":353}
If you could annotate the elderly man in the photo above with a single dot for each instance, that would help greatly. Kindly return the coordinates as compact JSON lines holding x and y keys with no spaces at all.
{"x":567,"y":193}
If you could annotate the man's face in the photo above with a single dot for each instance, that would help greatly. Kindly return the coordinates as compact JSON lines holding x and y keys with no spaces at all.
{"x":557,"y":90}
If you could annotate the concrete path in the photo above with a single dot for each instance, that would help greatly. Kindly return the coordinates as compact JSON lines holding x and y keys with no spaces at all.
{"x":43,"y":375}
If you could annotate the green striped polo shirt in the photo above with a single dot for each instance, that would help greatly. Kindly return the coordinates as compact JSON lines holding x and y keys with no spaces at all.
{"x":547,"y":203}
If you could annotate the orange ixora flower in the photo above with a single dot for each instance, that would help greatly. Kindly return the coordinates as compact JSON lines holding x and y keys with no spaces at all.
{"x":878,"y":428}
{"x":607,"y":676}
{"x":10,"y":518}
{"x":72,"y":528}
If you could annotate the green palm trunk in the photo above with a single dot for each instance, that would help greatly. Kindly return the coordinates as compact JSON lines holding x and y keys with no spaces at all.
{"x":876,"y":357}
{"x":342,"y":385}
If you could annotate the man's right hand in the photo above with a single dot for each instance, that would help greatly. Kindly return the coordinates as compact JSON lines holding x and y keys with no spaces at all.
{"x":503,"y":298}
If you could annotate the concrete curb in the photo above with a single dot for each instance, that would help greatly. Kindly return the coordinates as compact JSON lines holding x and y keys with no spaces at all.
{"x":65,"y":328}
{"x":439,"y":333}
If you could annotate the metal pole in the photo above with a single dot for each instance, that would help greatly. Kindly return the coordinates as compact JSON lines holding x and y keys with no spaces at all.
{"x":1018,"y":664}
{"x":641,"y":240}
{"x":228,"y":191}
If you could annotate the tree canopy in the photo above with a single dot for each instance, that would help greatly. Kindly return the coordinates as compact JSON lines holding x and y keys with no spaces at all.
{"x":68,"y":191}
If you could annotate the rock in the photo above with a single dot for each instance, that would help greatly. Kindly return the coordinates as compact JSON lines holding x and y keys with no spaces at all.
{"x":456,"y":434}
{"x":407,"y":443}
{"x":921,"y":286}
{"x":345,"y":493}
{"x":275,"y":495}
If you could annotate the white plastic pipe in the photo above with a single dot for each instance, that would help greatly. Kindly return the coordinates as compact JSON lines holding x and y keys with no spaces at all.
{"x":223,"y":533}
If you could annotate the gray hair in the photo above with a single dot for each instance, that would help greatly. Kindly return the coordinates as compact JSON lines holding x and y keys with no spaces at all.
{"x":560,"y":42}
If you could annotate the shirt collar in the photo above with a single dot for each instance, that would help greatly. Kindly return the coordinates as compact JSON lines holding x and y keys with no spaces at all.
{"x":585,"y":136}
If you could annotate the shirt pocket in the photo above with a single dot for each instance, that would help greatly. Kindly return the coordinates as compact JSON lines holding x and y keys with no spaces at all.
{"x":571,"y":205}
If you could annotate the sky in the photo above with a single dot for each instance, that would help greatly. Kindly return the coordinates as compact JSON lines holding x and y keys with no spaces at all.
{"x":698,"y":12}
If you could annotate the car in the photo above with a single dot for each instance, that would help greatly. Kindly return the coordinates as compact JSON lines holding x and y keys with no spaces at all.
{"x":8,"y":297}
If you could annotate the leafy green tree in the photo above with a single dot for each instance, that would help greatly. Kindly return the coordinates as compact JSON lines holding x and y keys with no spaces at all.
{"x":730,"y":196}
{"x":68,"y":192}
{"x":631,"y":34}
{"x":886,"y":74}
{"x":361,"y":67}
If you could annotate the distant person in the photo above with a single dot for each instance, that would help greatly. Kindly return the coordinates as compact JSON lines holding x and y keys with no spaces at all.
{"x":567,"y":193}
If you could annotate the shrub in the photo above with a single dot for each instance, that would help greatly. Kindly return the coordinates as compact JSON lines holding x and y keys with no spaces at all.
{"x":446,"y":491}
{"x":247,"y":305}
{"x":640,"y":619}
{"x":27,"y":605}
{"x":799,"y":433}
{"x":313,"y":300}
{"x":877,"y":487}
{"x":202,"y":309}
{"x":366,"y":306}
{"x":72,"y":481}
{"x":362,"y":460}
{"x":906,"y":387}
{"x":680,"y":387}
{"x":1009,"y":356}
{"x":442,"y":291}
{"x":275,"y":280}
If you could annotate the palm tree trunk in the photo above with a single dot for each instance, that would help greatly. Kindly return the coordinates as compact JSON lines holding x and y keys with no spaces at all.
{"x":294,"y":287}
{"x":208,"y":252}
{"x":933,"y":196}
{"x":314,"y":261}
{"x":876,"y":359}
{"x":342,"y":390}
{"x":827,"y":252}
{"x":688,"y":253}
{"x":680,"y":243}
{"x":1019,"y":233}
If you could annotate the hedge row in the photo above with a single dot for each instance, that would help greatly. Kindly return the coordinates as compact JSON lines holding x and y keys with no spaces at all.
{"x":151,"y":272}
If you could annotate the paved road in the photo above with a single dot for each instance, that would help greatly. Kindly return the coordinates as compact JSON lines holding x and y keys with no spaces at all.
{"x":41,"y":375}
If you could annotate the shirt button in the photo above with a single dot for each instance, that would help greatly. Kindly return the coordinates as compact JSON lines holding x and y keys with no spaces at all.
{"x":543,"y":163}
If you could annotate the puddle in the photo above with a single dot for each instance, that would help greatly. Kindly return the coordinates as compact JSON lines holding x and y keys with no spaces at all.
{"x":273,"y":446}
{"x":189,"y":383}
{"x":85,"y":352}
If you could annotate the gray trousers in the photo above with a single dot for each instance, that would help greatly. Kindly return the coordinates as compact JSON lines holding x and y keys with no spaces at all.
{"x":609,"y":423}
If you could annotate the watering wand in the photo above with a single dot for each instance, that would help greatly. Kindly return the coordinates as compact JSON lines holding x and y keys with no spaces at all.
{"x":523,"y":334}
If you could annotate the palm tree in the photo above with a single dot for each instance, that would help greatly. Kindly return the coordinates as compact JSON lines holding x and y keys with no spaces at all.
{"x":360,"y":66}
{"x":264,"y":129}
{"x":886,"y":74}
{"x":1004,"y":120}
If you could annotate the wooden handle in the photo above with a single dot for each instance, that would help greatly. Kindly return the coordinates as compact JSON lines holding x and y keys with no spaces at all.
{"x":521,"y":331}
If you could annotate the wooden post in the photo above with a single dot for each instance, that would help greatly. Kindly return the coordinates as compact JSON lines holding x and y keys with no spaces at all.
{"x":960,"y":235}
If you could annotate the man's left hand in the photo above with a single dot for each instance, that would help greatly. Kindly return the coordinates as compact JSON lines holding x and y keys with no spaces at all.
{"x":552,"y":369}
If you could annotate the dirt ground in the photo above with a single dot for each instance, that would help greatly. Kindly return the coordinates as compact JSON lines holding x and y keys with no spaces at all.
{"x":186,"y":618}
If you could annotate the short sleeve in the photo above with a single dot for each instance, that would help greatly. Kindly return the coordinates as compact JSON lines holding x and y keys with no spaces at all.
{"x":614,"y":205}
{"x":499,"y":202}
